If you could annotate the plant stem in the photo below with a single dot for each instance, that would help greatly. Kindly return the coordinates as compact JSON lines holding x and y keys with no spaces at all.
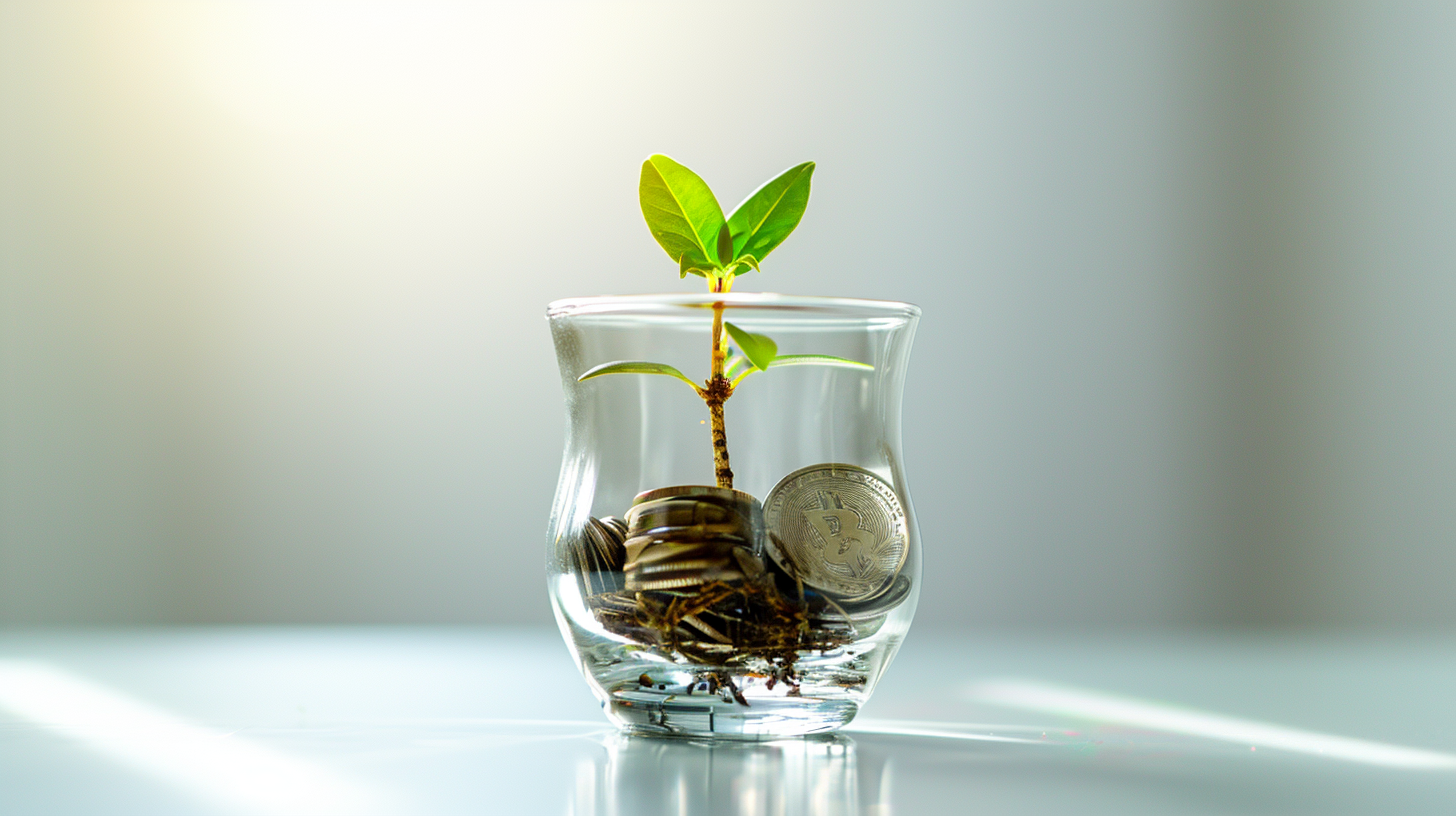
{"x":718,"y":391}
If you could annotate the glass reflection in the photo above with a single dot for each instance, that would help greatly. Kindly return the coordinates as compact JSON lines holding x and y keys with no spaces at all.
{"x":223,"y":767}
{"x":641,"y":776}
{"x":1085,"y":704}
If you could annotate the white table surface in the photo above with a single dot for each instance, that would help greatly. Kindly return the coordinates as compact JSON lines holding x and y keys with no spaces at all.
{"x":481,"y":721}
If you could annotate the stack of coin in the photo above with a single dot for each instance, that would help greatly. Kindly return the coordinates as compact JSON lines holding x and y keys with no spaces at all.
{"x":597,"y":554}
{"x":686,"y":536}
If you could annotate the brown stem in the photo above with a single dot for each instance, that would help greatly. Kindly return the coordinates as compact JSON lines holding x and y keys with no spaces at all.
{"x":720,"y":445}
{"x":719,"y":353}
{"x":718,"y":391}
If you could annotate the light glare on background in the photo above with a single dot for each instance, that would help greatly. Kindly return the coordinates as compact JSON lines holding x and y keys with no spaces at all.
{"x":273,"y":276}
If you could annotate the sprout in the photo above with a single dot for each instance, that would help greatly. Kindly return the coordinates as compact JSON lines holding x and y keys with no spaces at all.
{"x":685,"y":218}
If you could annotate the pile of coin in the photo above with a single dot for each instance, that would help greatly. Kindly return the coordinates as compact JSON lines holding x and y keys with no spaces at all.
{"x":708,"y":573}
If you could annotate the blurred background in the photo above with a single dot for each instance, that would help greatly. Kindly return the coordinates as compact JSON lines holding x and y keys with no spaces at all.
{"x":273,"y":278}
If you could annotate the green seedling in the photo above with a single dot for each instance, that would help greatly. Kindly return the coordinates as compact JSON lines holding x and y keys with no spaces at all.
{"x":685,"y":218}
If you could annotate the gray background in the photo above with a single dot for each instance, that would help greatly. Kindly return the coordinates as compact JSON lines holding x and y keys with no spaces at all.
{"x":273,"y":276}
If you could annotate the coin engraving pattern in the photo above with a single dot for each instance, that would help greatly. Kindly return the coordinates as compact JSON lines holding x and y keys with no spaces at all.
{"x":840,"y":527}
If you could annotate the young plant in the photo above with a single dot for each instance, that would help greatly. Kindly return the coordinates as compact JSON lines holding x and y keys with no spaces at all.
{"x":685,"y":218}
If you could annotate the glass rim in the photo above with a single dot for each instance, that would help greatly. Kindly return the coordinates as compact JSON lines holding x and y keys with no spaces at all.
{"x":628,"y":304}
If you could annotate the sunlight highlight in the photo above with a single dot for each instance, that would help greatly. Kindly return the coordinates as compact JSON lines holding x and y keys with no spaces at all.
{"x":215,"y":765}
{"x":929,"y":728}
{"x":1107,"y":708}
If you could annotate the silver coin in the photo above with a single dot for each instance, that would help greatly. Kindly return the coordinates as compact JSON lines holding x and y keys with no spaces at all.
{"x":839,"y":528}
{"x":606,"y":548}
{"x":595,"y":554}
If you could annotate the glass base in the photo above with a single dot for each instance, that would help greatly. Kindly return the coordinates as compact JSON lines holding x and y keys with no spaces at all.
{"x":703,"y":715}
{"x":653,"y":691}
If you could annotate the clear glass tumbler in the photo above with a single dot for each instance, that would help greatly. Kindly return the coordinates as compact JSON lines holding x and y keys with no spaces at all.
{"x":769,"y":608}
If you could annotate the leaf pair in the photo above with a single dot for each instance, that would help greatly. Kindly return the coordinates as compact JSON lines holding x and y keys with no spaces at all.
{"x":779,"y":361}
{"x":758,"y":352}
{"x":685,"y":218}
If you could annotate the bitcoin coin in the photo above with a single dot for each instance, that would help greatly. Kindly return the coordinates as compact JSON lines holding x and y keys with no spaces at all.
{"x":840,"y":528}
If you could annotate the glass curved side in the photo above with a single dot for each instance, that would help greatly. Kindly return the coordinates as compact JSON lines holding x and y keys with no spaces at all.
{"x":767,"y":610}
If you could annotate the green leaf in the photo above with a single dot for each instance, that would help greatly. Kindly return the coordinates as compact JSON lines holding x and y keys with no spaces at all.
{"x":635,"y":367}
{"x":698,"y":268}
{"x":731,"y":366}
{"x":749,"y":261}
{"x":818,"y":359}
{"x":725,"y":245}
{"x":805,"y":359}
{"x":766,"y":218}
{"x":758,"y":348}
{"x":681,"y":212}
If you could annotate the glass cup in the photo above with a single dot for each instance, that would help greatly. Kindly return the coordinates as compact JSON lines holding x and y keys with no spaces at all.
{"x":763,"y":608}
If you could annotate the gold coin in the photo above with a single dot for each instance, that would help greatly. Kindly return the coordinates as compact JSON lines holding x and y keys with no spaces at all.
{"x":674,"y":553}
{"x":719,"y":511}
{"x":719,"y":495}
{"x":685,"y":536}
{"x":686,"y":566}
{"x":839,"y":528}
{"x":666,"y":583}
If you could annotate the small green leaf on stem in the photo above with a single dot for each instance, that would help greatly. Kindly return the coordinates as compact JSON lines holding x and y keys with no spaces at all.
{"x":758,"y":348}
{"x":766,"y":218}
{"x":688,"y":264}
{"x":681,"y":211}
{"x":805,"y":359}
{"x":725,"y":245}
{"x":635,"y":367}
{"x":818,"y":359}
